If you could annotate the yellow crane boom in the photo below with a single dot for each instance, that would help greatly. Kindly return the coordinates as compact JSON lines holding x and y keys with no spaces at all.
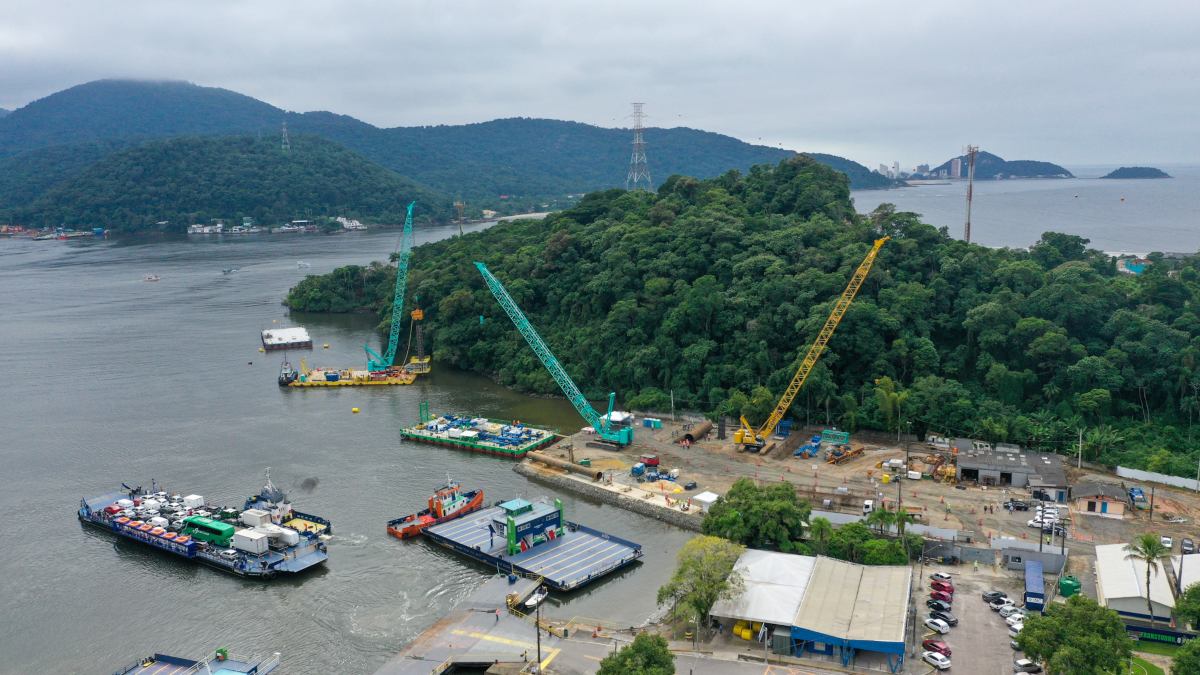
{"x":747,"y":436}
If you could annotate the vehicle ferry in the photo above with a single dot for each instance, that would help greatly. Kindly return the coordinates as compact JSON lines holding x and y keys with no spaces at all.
{"x":446,"y":504}
{"x":263,"y":539}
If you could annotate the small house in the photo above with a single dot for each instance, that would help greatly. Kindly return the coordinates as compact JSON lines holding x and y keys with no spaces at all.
{"x":1100,"y":499}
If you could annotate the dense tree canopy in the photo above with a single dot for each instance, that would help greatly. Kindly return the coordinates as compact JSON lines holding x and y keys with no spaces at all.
{"x":703,"y":575}
{"x":648,"y":654}
{"x":769,"y":517}
{"x":713,"y":289}
{"x":1078,"y":637}
{"x":187,"y":180}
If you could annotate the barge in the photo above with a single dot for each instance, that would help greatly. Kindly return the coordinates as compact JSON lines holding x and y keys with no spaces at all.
{"x":283,"y":338}
{"x":479,"y":434}
{"x":344,"y":377}
{"x":222,"y":663}
{"x":535,"y":540}
{"x":263,"y":539}
{"x":446,"y":504}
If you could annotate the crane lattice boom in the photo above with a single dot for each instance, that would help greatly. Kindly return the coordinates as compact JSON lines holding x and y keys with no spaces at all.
{"x":814,"y":351}
{"x":376,"y":362}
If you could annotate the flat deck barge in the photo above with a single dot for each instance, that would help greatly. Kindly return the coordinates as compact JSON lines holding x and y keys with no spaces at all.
{"x":351,"y":377}
{"x":222,"y":663}
{"x":478,"y":434}
{"x":533,"y":539}
{"x":286,"y":338}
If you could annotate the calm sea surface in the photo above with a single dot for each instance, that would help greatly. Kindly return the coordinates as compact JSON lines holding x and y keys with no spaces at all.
{"x":1137,"y":216}
{"x":108,"y":378}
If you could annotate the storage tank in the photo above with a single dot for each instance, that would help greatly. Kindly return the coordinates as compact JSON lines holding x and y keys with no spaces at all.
{"x":1068,"y":586}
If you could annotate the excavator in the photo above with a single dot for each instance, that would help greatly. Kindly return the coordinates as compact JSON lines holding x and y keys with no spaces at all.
{"x":754,"y":440}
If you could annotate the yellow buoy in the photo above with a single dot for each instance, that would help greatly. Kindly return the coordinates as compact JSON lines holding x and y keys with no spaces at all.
{"x":354,"y":410}
{"x":261,"y":350}
{"x":325,"y":346}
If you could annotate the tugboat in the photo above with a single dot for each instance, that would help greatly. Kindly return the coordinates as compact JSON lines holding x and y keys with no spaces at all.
{"x":287,"y":374}
{"x":447,"y":503}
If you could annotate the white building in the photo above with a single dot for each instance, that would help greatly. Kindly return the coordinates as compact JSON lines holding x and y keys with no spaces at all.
{"x":1121,"y":584}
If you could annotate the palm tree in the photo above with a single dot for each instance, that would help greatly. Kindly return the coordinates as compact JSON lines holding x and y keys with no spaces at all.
{"x":1149,"y":549}
{"x":903,"y":518}
{"x":880,"y":519}
{"x":819,"y":531}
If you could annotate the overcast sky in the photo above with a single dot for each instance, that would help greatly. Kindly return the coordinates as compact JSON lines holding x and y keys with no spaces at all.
{"x":1071,"y":82}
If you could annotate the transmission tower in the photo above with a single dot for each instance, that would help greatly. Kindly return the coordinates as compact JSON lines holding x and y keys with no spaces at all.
{"x":638,"y":177}
{"x":287,"y":145}
{"x":971,"y":151}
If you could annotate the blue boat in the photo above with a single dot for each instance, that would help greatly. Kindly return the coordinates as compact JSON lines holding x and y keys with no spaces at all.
{"x":221,"y":663}
{"x":264,"y":539}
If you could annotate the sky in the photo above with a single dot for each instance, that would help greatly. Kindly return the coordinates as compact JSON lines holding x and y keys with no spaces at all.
{"x":1076,"y":83}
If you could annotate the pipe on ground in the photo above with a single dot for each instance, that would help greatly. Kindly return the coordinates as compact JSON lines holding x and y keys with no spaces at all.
{"x":698,"y":431}
{"x":564,"y":464}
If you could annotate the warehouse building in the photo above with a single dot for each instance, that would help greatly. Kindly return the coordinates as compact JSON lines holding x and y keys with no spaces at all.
{"x":819,"y":605}
{"x":1121,"y":585}
{"x":1010,"y":466}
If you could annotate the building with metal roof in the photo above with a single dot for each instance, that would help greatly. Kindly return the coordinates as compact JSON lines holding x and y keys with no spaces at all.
{"x":1100,"y":499}
{"x":829,"y":606}
{"x":1008,"y":465}
{"x":1121,"y":584}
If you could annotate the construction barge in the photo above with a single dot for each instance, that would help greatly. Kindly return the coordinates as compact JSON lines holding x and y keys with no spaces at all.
{"x":534,"y":539}
{"x":479,"y":434}
{"x":263,"y":539}
{"x":344,"y":377}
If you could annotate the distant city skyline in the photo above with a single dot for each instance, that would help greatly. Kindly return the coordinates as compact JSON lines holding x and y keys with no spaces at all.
{"x":1092,"y":83}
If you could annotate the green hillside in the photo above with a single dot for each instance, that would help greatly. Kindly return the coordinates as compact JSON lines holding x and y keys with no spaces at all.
{"x":710,"y":289}
{"x":187,"y":180}
{"x":990,"y":167}
{"x":528,"y":161}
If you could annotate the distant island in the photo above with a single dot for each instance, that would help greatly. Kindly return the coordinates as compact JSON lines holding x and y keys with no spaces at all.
{"x":993,"y":167}
{"x":1137,"y":172}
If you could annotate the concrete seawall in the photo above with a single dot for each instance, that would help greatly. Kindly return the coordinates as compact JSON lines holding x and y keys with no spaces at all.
{"x":567,"y":482}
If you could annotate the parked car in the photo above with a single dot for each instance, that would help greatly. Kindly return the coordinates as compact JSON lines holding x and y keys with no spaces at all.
{"x":1166,"y":541}
{"x":1026,"y":666}
{"x":1014,"y":645}
{"x":936,"y":660}
{"x":1014,"y":630}
{"x":1000,"y":603}
{"x":1008,"y":610}
{"x":1187,"y":546}
{"x":944,"y":597}
{"x":938,"y":605}
{"x":945,"y":616}
{"x":989,"y":596}
{"x":932,"y":645}
{"x":1015,"y":619}
{"x":1036,"y":522}
{"x":941,"y":576}
{"x":937,"y":625}
{"x":942,"y":586}
{"x":1016,"y":505}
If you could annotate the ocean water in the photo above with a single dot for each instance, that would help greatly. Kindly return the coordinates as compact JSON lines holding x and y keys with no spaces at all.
{"x":1133,"y":216}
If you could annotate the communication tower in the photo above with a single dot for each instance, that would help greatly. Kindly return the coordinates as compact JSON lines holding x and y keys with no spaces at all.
{"x":286,"y":144}
{"x":638,"y":177}
{"x":971,"y":151}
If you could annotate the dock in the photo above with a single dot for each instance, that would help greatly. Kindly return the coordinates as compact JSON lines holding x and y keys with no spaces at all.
{"x":567,"y":556}
{"x":486,"y":436}
{"x":286,"y":338}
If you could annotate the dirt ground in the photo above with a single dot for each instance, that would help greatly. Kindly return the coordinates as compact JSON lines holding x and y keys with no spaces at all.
{"x":973,"y":510}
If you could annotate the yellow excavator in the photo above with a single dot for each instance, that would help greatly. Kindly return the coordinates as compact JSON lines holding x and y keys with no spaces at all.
{"x":752,"y":440}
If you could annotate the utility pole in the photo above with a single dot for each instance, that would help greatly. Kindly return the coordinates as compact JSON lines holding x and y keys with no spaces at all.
{"x":537,"y":625}
{"x":284,"y":142}
{"x":971,"y":151}
{"x":1079,"y":465}
{"x":672,"y":405}
{"x":1151,"y":503}
{"x":638,"y":177}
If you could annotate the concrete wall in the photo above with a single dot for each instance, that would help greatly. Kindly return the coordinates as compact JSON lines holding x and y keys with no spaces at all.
{"x":1015,"y":559}
{"x":1151,"y":477}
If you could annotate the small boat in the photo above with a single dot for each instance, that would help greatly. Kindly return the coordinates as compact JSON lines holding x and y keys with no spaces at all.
{"x":536,"y":599}
{"x":287,"y":374}
{"x":150,"y":277}
{"x":229,"y":270}
{"x":447,"y":503}
{"x":300,"y":264}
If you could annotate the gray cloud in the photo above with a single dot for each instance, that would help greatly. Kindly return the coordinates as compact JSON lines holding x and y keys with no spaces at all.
{"x":1072,"y":82}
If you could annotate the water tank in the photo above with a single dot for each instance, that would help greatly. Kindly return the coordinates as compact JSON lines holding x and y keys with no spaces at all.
{"x":1068,"y":586}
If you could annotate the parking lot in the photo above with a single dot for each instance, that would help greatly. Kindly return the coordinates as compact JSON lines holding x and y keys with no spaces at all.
{"x":980,"y":641}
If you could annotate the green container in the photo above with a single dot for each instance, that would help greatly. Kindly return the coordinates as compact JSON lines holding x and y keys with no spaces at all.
{"x":586,"y":461}
{"x":1068,"y":586}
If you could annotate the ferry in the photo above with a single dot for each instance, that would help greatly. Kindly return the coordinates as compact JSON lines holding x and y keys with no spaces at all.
{"x":446,"y":504}
{"x":263,"y":539}
{"x":220,"y":663}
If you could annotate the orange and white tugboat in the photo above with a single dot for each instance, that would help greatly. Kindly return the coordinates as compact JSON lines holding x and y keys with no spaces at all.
{"x":447,"y":503}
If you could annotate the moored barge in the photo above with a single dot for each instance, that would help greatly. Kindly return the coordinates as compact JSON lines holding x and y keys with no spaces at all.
{"x":263,"y":539}
{"x":479,"y":434}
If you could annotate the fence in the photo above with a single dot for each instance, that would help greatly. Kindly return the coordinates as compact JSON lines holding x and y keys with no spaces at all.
{"x":1162,"y":478}
{"x":967,"y":554}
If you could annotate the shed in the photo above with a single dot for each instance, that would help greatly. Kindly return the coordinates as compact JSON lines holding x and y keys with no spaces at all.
{"x":1100,"y":499}
{"x":706,"y":500}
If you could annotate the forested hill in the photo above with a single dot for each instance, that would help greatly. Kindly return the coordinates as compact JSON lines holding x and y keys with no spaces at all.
{"x":522,"y":159}
{"x":712,"y":288}
{"x":989,"y":167}
{"x":188,"y":180}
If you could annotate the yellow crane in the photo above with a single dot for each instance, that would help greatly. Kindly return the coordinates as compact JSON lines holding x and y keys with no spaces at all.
{"x":753,"y":440}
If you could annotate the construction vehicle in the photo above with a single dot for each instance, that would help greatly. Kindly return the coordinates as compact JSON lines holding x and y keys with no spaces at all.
{"x":810,"y":449}
{"x":610,"y":435}
{"x":752,"y":440}
{"x":841,"y":453}
{"x":387,"y":362}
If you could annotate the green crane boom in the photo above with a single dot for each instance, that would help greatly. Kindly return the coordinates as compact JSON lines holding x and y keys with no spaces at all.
{"x":603,"y":426}
{"x":375,"y":362}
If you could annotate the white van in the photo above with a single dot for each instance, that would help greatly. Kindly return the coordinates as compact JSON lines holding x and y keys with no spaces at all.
{"x":868,"y":506}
